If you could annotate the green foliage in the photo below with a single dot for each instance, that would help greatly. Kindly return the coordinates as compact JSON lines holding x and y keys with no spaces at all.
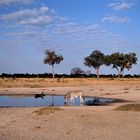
{"x":121,"y":61}
{"x":51,"y":58}
{"x":95,"y":60}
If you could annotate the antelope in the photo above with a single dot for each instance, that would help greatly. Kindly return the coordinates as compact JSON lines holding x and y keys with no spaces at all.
{"x":72,"y":95}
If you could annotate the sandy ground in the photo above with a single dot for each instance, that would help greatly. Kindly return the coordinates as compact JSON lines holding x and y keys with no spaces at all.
{"x":74,"y":123}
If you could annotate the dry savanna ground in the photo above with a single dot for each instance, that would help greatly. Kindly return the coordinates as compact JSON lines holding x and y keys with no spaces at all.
{"x":61,"y":82}
{"x":71,"y":122}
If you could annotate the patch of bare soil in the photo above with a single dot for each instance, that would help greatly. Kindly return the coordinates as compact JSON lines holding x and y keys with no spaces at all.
{"x":70,"y":123}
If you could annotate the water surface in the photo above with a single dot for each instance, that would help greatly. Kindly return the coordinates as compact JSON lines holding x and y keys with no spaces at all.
{"x":49,"y":100}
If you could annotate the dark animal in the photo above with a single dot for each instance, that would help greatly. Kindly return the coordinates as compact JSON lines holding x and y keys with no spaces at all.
{"x":40,"y":95}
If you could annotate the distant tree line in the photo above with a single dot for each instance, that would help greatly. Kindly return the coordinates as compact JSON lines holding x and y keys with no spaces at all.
{"x":96,"y":59}
{"x":49,"y":75}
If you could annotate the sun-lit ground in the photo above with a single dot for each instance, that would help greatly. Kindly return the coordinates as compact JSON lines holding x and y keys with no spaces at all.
{"x":71,"y":122}
{"x":64,"y":82}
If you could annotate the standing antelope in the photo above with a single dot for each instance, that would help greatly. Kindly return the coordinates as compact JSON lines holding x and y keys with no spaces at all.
{"x":72,"y":95}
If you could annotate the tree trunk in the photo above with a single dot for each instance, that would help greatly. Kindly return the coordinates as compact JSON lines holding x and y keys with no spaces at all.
{"x":119,"y":73}
{"x":97,"y":73}
{"x":123,"y":73}
{"x":53,"y":72}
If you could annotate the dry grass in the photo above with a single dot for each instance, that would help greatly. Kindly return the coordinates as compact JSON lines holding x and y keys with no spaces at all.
{"x":129,"y":107}
{"x":47,"y":110}
{"x":126,"y":88}
{"x":61,"y":82}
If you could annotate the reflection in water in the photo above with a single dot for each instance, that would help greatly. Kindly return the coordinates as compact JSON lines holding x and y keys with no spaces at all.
{"x":97,"y":101}
{"x":31,"y":101}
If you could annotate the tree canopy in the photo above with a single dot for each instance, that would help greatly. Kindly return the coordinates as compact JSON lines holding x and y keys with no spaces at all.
{"x":52,"y":58}
{"x":121,"y":61}
{"x":95,"y":60}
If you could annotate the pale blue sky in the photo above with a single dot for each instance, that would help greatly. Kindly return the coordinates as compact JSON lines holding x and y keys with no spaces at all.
{"x":73,"y":28}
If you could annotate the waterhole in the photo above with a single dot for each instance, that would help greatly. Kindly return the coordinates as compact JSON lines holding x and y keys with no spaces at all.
{"x":49,"y":100}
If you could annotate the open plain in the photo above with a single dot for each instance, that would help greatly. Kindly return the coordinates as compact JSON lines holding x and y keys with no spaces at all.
{"x":71,"y":122}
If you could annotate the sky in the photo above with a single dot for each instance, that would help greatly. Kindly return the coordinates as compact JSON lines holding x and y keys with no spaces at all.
{"x":72,"y":28}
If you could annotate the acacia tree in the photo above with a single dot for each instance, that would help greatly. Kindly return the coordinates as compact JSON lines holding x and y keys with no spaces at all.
{"x":95,"y":60}
{"x":121,"y":61}
{"x":52,"y":59}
